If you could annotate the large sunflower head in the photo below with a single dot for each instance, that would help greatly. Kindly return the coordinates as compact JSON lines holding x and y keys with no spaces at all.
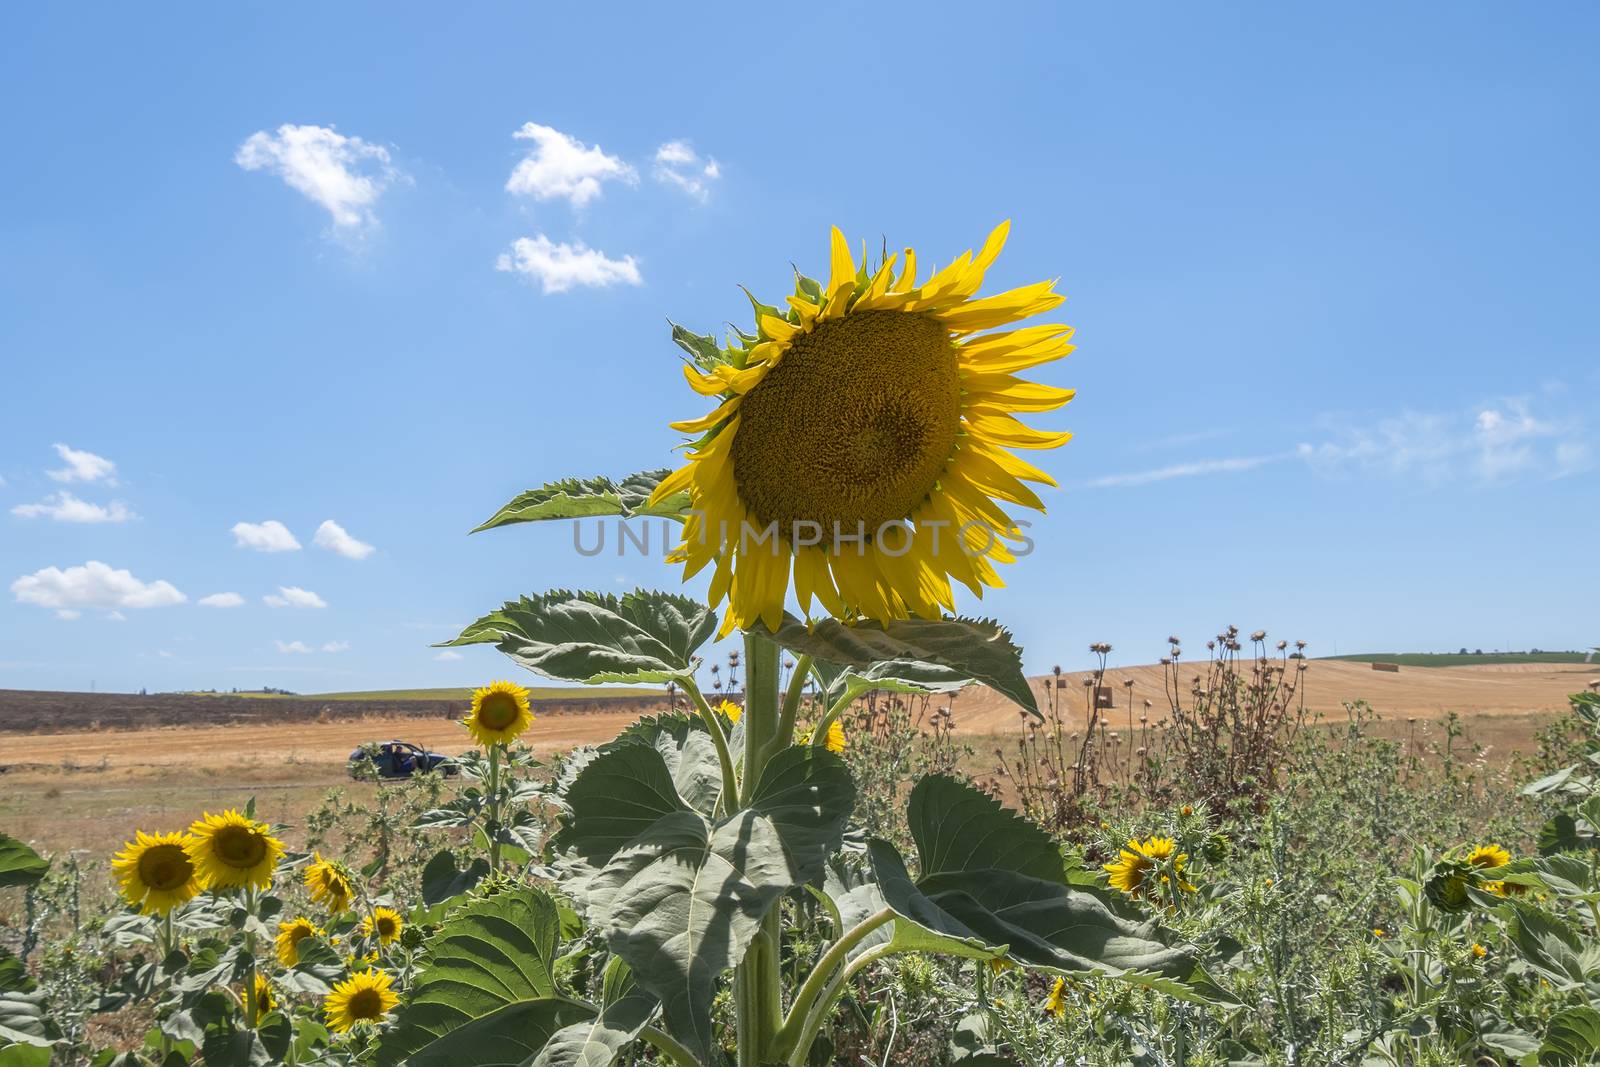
{"x":290,"y":934}
{"x":384,"y":923}
{"x":232,"y":850}
{"x":1137,"y":869}
{"x":328,"y":884}
{"x":861,"y":441}
{"x":500,"y":712}
{"x":365,"y":997}
{"x":155,"y":872}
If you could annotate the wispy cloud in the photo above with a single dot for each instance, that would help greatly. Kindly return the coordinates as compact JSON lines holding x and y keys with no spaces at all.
{"x":336,"y":646}
{"x":83,"y":467}
{"x":298,"y":648}
{"x":560,"y":165}
{"x":678,"y":164}
{"x":333,"y":537}
{"x":1489,"y":443}
{"x":292,"y":596}
{"x":344,"y":175}
{"x":269,"y":536}
{"x":93,"y":586}
{"x":64,"y":507}
{"x":448,"y":656}
{"x":1184,"y":470}
{"x":221,"y":600}
{"x":559,"y":267}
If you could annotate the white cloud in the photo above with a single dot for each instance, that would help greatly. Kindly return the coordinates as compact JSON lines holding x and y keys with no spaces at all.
{"x":83,"y":467}
{"x":448,"y":656}
{"x":292,"y":596}
{"x":64,"y":507}
{"x":1182,"y":470}
{"x":1490,"y":443}
{"x":559,"y":267}
{"x":563,"y":166}
{"x":336,"y":646}
{"x":299,"y":648}
{"x":677,"y":163}
{"x":269,"y":536}
{"x":221,"y":600}
{"x":93,"y":586}
{"x":345,"y":175}
{"x":67,"y":614}
{"x":331,"y":536}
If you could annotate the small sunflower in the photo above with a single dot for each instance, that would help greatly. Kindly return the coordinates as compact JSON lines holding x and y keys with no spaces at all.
{"x":1056,"y":1003}
{"x":500,"y":712}
{"x":384,"y":923}
{"x":329,"y":885}
{"x":1488,"y":856}
{"x":365,"y":997}
{"x":732,"y":711}
{"x":264,"y":1001}
{"x":155,"y":872}
{"x":1378,"y":931}
{"x":1478,"y":951}
{"x":1505,"y":889}
{"x":1138,"y":860}
{"x":232,"y":850}
{"x":861,"y":441}
{"x":290,"y":934}
{"x":833,"y":740}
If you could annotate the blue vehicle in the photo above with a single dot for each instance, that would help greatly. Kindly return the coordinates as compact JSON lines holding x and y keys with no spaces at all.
{"x":400,"y":759}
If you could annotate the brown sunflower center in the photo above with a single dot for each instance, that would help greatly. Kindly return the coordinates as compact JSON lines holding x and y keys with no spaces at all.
{"x":385,"y":926}
{"x":298,"y":934}
{"x":852,"y":428}
{"x":498,"y":711}
{"x":239,"y":846}
{"x":365,"y":1004}
{"x":165,"y":867}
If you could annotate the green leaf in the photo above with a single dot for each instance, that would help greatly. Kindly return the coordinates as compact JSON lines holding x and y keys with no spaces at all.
{"x":1573,"y":1037}
{"x":25,"y":1055}
{"x":958,"y":828}
{"x":689,"y":753}
{"x":592,"y":638}
{"x":23,"y":1021}
{"x":512,"y":1036}
{"x":598,"y":1041}
{"x":495,"y":952}
{"x":808,"y":794}
{"x":19,"y":864}
{"x":443,"y":880}
{"x":578,"y":498}
{"x":615,"y":799}
{"x":249,"y":1048}
{"x":681,"y":903}
{"x":935,"y":655}
{"x":992,"y":880}
{"x":14,"y":977}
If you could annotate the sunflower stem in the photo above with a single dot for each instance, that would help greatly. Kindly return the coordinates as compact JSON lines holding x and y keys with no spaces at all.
{"x":792,"y":700}
{"x":817,"y":982}
{"x":759,"y":997}
{"x":819,"y":732}
{"x":251,"y":1005}
{"x":730,"y":779}
{"x":493,"y":826}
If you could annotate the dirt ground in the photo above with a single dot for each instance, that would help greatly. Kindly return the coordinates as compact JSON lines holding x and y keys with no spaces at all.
{"x":88,"y":789}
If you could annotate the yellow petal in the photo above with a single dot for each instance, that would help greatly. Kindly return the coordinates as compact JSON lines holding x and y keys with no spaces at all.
{"x":1008,"y":431}
{"x":843,"y":269}
{"x":705,"y":422}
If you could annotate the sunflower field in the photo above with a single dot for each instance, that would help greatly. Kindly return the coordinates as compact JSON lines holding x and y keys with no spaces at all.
{"x":810,"y":867}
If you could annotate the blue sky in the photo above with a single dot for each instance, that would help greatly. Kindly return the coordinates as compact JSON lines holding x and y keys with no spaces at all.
{"x":1332,"y":271}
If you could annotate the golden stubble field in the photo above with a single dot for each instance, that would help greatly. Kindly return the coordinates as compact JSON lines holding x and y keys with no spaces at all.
{"x":87,"y":789}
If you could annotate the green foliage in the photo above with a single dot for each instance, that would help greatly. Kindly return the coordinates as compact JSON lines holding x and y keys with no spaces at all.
{"x":19,"y":864}
{"x":598,"y":637}
{"x":575,"y":498}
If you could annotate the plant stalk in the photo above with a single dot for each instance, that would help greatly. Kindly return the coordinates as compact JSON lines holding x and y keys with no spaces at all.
{"x":757,"y":981}
{"x":494,"y":807}
{"x":730,"y":778}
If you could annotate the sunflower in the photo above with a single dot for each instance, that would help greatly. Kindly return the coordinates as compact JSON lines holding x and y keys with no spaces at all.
{"x":861,"y":441}
{"x":290,"y":934}
{"x":833,"y":740}
{"x":1478,"y":951}
{"x":232,"y":850}
{"x":499,"y":713}
{"x":155,"y":871}
{"x":364,"y":997}
{"x":264,"y":1001}
{"x":1488,"y":856}
{"x":1056,"y":1004}
{"x":384,"y":923}
{"x":328,"y":884}
{"x":1131,"y":870}
{"x":732,"y":711}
